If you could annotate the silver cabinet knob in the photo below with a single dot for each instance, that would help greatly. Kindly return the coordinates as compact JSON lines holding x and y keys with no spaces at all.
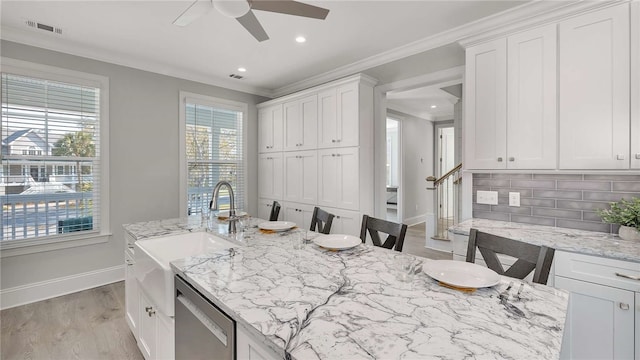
{"x":624,"y":306}
{"x":499,"y":159}
{"x":148,"y":308}
{"x":512,"y":159}
{"x":620,"y":157}
{"x":637,"y":156}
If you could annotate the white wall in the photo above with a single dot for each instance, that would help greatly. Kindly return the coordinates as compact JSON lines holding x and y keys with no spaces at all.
{"x":144,"y":161}
{"x":417,"y":163}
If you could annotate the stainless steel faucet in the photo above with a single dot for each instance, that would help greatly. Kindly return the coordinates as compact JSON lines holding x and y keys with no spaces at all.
{"x":232,"y":207}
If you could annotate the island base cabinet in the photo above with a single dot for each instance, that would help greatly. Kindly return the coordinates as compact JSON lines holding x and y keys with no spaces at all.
{"x":156,"y":335}
{"x":600,"y":321}
{"x":249,"y":349}
{"x":147,"y":328}
{"x":300,"y":214}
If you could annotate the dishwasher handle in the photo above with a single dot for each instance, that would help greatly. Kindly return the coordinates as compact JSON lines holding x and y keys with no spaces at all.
{"x":214,"y":328}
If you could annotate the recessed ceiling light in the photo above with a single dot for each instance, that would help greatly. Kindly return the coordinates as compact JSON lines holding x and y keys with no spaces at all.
{"x":301,"y":39}
{"x":241,"y":69}
{"x":433,"y":106}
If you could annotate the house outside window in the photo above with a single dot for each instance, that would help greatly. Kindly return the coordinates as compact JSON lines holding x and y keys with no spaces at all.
{"x":212,"y":139}
{"x":52,"y":123}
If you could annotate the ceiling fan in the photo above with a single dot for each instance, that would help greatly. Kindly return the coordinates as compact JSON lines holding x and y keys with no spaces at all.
{"x":242,"y":10}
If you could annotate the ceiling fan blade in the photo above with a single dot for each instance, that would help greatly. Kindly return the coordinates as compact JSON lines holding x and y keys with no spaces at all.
{"x":194,"y":11}
{"x":290,"y":7}
{"x":251,"y":23}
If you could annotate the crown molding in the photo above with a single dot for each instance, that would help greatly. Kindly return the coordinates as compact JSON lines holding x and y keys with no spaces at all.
{"x":361,"y":78}
{"x":494,"y":30}
{"x":122,"y":59}
{"x":512,"y":15}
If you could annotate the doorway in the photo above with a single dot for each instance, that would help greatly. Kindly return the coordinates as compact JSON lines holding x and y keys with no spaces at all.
{"x":393,"y":170}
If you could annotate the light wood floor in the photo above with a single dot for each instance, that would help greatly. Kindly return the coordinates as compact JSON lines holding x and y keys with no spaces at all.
{"x":85,"y":325}
{"x":414,"y":244}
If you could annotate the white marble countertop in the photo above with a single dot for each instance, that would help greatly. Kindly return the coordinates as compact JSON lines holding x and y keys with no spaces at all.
{"x":563,"y":239}
{"x":318,"y":304}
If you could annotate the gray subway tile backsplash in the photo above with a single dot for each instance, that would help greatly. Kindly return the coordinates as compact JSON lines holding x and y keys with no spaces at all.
{"x":563,"y":200}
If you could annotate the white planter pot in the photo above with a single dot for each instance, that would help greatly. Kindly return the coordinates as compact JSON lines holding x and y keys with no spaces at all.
{"x":629,"y":233}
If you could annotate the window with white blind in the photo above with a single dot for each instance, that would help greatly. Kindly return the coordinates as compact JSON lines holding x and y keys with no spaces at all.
{"x":212,"y":142}
{"x":52,"y":155}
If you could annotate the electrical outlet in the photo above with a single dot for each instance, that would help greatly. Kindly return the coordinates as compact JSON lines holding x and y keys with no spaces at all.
{"x":487,"y":197}
{"x":514,"y":199}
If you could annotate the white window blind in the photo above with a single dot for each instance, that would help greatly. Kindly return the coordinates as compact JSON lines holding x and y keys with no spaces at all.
{"x":214,"y":152}
{"x":50,"y":175}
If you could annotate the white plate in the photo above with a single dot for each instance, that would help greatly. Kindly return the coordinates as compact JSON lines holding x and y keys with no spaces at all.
{"x":461,"y":274}
{"x":276,"y":225}
{"x":224,"y":215}
{"x":337,"y":241}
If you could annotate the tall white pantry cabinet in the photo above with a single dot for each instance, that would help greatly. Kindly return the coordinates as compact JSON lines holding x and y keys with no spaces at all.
{"x":316,"y":149}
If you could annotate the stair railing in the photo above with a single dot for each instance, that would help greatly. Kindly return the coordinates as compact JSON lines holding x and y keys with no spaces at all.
{"x":447,"y":201}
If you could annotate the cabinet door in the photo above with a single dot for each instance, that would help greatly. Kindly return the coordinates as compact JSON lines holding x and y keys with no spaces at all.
{"x":300,"y":118}
{"x":300,"y":176}
{"x":147,"y":327}
{"x":166,"y":338}
{"x":327,"y":118}
{"x":635,"y":91}
{"x":338,"y":173}
{"x":486,"y":106}
{"x":594,"y":90}
{"x":600,"y":321}
{"x":531,"y":99}
{"x":264,"y":208}
{"x":345,"y":222}
{"x":270,"y":129}
{"x":270,"y":168}
{"x":250,"y":349}
{"x":298,"y":213}
{"x":347,"y":122}
{"x":131,"y":298}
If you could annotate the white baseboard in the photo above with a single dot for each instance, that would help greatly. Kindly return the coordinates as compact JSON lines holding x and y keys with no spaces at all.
{"x":415,"y":220}
{"x":26,"y":294}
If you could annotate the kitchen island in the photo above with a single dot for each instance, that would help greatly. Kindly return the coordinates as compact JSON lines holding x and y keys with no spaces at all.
{"x":318,"y":304}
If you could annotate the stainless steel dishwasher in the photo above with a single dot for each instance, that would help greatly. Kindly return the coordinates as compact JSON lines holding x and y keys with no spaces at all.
{"x":202,"y":330}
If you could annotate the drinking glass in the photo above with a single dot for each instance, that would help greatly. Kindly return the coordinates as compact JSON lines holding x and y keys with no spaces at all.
{"x":405,"y":267}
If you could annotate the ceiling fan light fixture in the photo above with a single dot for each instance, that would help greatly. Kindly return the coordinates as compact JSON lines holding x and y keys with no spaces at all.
{"x":232,"y":8}
{"x":301,"y":39}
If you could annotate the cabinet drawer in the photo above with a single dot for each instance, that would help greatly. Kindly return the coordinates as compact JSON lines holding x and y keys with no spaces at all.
{"x":598,"y":270}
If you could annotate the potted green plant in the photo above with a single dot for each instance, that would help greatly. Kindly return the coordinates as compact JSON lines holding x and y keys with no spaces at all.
{"x":626,"y":213}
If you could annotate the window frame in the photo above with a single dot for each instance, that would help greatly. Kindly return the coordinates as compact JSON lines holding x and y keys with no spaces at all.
{"x":215,"y":103}
{"x":81,"y":238}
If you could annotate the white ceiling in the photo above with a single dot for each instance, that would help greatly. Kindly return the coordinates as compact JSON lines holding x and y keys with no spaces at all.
{"x":419,"y":102}
{"x":141,"y":34}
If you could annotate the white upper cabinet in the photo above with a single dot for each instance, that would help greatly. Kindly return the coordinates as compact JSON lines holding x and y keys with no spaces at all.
{"x":486,"y":106}
{"x":594,"y":90}
{"x":635,"y":90}
{"x":270,"y":129}
{"x":531,"y":99}
{"x":338,"y":116}
{"x":300,"y":119}
{"x":301,"y":176}
{"x":510,"y":95}
{"x":270,"y":168}
{"x":338,"y":178}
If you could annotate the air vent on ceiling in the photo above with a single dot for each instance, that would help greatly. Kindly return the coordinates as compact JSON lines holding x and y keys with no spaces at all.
{"x":45,"y":27}
{"x":235,"y":76}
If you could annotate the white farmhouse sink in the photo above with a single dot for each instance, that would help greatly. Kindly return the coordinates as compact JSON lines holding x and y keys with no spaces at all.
{"x":153,"y":256}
